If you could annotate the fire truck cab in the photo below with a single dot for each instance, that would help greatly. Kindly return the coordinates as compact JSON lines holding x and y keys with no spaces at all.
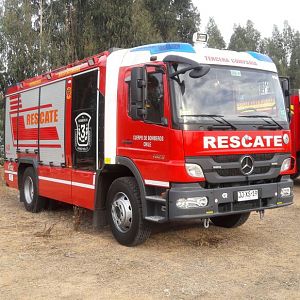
{"x":152,"y":134}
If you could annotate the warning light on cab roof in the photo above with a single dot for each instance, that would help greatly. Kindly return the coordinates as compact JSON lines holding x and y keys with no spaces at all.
{"x":165,"y":47}
{"x":199,"y":37}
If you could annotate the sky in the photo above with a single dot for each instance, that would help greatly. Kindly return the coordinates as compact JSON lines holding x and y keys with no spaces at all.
{"x":263,"y":13}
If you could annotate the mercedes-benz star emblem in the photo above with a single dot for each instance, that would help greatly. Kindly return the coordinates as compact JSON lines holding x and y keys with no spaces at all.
{"x":247,"y":165}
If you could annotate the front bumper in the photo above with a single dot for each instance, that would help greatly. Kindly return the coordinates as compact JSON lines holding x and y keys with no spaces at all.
{"x":223,"y":201}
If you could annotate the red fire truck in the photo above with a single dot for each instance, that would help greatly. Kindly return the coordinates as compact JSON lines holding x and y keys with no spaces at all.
{"x":152,"y":134}
{"x":294,"y":126}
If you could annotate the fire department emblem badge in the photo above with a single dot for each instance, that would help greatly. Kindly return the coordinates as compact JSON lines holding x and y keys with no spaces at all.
{"x":83,"y":132}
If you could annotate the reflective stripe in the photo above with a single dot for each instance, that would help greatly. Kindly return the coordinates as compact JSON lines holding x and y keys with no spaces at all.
{"x":10,"y":172}
{"x":83,"y":185}
{"x":157,"y":183}
{"x":67,"y":182}
{"x":55,"y":180}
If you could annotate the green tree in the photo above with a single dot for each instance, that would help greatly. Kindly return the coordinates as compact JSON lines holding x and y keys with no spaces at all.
{"x":2,"y":55}
{"x":245,"y":38}
{"x":111,"y":23}
{"x":275,"y":48}
{"x":176,"y":20}
{"x":288,"y":35}
{"x":187,"y":19}
{"x":21,"y":50}
{"x":39,"y":35}
{"x":216,"y":39}
{"x":143,"y":29}
{"x":62,"y":30}
{"x":294,"y":70}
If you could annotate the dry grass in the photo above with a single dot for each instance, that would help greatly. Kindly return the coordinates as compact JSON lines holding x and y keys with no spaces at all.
{"x":42,"y":256}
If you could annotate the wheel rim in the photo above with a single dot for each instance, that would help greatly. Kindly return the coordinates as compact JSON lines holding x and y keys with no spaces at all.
{"x":28,"y":190}
{"x":121,"y":212}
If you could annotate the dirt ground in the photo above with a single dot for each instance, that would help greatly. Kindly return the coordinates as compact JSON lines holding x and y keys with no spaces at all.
{"x":259,"y":260}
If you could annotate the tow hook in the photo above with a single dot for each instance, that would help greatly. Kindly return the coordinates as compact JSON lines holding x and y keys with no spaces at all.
{"x":261,"y":214}
{"x":206,"y":223}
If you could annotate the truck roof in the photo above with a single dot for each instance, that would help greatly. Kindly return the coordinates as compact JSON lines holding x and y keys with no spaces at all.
{"x":200,"y":54}
{"x":146,"y":54}
{"x":72,"y":68}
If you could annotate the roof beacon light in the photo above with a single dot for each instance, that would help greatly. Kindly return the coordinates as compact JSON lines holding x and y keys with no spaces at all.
{"x":200,"y":39}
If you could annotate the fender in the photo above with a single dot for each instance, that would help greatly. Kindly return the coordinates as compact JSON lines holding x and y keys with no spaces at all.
{"x":28,"y":161}
{"x":127,"y":162}
{"x":104,"y":177}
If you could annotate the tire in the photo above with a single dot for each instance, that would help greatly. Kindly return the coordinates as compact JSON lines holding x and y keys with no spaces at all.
{"x":29,"y":192}
{"x":230,"y":221}
{"x":124,"y":212}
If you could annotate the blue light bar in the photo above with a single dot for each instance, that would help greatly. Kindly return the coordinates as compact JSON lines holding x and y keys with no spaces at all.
{"x":259,"y":56}
{"x":166,"y":47}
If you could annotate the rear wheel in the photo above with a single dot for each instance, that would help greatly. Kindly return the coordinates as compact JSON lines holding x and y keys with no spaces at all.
{"x":29,"y":192}
{"x":124,"y":210}
{"x":230,"y":221}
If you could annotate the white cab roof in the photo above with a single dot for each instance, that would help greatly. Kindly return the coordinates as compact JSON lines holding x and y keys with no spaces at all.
{"x":249,"y":59}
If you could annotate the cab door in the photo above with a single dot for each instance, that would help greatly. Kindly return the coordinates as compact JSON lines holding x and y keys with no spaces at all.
{"x":146,"y":141}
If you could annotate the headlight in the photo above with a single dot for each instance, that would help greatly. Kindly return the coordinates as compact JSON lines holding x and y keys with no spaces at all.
{"x":195,"y":202}
{"x":285,"y":192}
{"x":194,"y":170}
{"x":286,"y":165}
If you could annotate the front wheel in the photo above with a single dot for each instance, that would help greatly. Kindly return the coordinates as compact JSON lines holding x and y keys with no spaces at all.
{"x":230,"y":221}
{"x":29,"y":192}
{"x":124,"y":210}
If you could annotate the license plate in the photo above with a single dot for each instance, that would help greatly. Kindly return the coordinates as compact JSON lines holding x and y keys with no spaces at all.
{"x":247,"y":195}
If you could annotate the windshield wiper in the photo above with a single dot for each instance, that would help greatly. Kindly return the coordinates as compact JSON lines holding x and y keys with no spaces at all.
{"x":265,"y":126}
{"x":224,"y":124}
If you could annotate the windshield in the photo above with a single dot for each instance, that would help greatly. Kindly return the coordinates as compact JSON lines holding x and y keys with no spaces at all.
{"x":237,"y":94}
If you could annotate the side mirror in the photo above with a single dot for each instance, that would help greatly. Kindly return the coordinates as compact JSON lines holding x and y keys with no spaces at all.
{"x":138,"y":85}
{"x":199,"y":71}
{"x":285,"y":86}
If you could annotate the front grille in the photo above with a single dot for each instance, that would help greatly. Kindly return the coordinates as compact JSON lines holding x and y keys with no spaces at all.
{"x":226,"y":169}
{"x":237,"y":157}
{"x":229,"y":172}
{"x":261,"y":170}
{"x":244,"y":205}
{"x":237,"y":172}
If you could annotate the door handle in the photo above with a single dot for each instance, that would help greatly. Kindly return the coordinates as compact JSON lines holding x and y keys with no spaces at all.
{"x":127,"y":142}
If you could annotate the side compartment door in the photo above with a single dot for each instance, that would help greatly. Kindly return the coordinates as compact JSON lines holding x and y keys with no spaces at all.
{"x":11,"y":139}
{"x":54,"y":177}
{"x":84,"y":137}
{"x":11,"y":133}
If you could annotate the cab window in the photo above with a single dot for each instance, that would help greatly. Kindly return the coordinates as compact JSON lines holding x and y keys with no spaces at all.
{"x":155,"y":98}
